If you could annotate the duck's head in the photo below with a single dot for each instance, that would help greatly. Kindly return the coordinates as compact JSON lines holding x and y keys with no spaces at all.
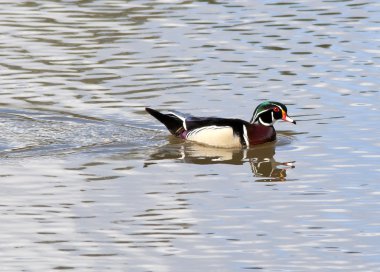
{"x":268,"y":112}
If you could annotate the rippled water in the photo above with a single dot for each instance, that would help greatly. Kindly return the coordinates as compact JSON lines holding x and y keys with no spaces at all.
{"x":90,"y":182}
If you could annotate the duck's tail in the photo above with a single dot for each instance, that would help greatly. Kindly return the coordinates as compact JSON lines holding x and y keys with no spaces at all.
{"x":173,"y":122}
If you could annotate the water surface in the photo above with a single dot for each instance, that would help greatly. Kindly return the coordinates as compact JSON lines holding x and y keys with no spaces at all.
{"x":90,"y":182}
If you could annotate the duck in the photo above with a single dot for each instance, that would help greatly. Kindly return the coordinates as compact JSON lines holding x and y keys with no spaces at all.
{"x":226,"y":132}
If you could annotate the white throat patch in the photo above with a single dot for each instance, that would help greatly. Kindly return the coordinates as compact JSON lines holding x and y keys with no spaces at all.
{"x":265,"y":124}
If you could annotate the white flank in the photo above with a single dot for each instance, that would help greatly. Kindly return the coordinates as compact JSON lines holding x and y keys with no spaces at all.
{"x":221,"y":136}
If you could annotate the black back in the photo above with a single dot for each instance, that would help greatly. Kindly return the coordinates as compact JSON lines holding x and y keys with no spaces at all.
{"x":172,"y":122}
{"x":175,"y":125}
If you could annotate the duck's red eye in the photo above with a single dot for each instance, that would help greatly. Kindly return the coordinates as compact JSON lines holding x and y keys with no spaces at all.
{"x":276,"y":109}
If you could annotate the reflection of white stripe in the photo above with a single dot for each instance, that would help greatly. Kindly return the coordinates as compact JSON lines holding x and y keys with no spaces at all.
{"x":245,"y":136}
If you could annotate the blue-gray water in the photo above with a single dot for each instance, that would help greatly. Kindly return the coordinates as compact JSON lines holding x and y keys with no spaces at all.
{"x":90,"y":182}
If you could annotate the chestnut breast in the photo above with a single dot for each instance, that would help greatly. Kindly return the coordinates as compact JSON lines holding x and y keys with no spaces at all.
{"x":259,"y":134}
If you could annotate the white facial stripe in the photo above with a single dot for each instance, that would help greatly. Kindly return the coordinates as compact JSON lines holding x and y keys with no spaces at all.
{"x":258,"y":114}
{"x":263,"y":123}
{"x":280,"y":107}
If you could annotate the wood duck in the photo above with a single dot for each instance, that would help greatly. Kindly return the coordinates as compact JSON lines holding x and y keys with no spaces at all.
{"x":226,"y":132}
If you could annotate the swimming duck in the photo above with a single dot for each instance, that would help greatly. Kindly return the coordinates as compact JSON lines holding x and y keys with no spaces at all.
{"x":226,"y":132}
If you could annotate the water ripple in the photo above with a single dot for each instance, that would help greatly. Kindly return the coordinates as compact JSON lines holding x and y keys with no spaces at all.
{"x":87,"y":177}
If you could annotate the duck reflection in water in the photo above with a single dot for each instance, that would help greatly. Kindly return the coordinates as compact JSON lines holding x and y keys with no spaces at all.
{"x":261,"y":158}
